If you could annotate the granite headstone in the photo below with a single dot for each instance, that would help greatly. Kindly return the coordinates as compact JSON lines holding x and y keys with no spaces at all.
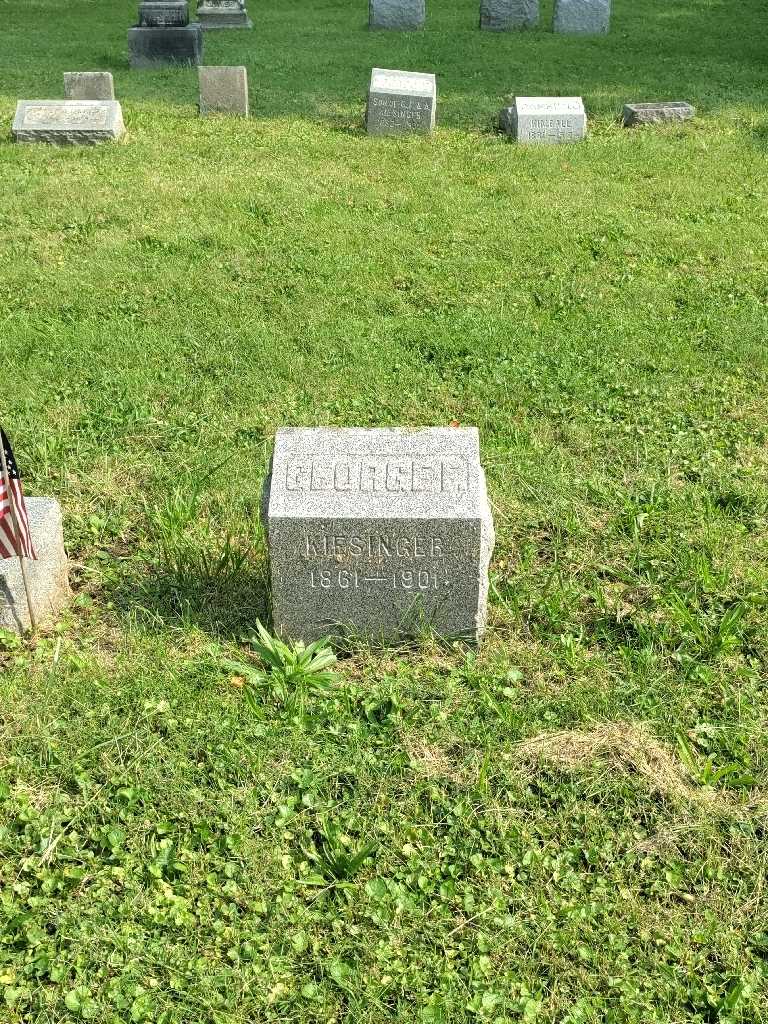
{"x":378,"y":533}
{"x":88,"y":85}
{"x":402,"y":15}
{"x":401,"y":102}
{"x":589,"y":17}
{"x":223,"y":90}
{"x":504,"y":15}
{"x":68,"y":122}
{"x":655,"y":113}
{"x":545,"y":119}
{"x":214,"y":14}
{"x":47,"y":574}
{"x":164,"y":36}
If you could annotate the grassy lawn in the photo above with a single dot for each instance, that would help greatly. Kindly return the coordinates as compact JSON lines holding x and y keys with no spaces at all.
{"x":570,"y":822}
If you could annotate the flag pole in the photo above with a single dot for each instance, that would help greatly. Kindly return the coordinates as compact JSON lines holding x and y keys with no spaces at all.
{"x":19,"y":543}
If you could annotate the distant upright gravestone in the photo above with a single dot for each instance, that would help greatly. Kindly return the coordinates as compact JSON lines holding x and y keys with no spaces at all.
{"x":503,"y":15}
{"x":397,"y":14}
{"x":401,"y":102}
{"x":164,"y":35}
{"x":590,"y":17}
{"x":378,"y":533}
{"x":223,"y":14}
{"x":223,"y":90}
{"x":68,"y":122}
{"x":88,"y":85}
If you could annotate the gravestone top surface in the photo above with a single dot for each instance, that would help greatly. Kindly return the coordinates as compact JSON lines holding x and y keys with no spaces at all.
{"x":552,"y":106}
{"x":88,"y":85}
{"x":415,"y":83}
{"x":374,"y":532}
{"x":663,"y":110}
{"x":67,"y":121}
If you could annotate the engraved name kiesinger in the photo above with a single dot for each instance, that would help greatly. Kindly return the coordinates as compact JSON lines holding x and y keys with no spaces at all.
{"x":379,"y":475}
{"x":373,"y":546}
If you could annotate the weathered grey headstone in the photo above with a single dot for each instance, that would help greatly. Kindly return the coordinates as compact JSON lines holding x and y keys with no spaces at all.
{"x":164,"y":36}
{"x":223,"y":90}
{"x":504,"y":15}
{"x":49,"y":586}
{"x":223,"y":14}
{"x":590,"y":17}
{"x":397,"y":14}
{"x":378,"y":532}
{"x":68,"y":122}
{"x":653,"y":113}
{"x":545,"y":119}
{"x":88,"y":85}
{"x":401,"y":102}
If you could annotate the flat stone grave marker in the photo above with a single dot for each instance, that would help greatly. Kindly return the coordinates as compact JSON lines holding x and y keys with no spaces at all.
{"x":401,"y":15}
{"x":589,"y":17}
{"x":378,"y":533}
{"x":164,"y":36}
{"x":223,"y":90}
{"x":504,"y":15}
{"x":401,"y":102}
{"x":545,"y":119}
{"x":653,"y":113}
{"x":223,"y":14}
{"x":48,"y":578}
{"x":88,"y":85}
{"x":68,"y":122}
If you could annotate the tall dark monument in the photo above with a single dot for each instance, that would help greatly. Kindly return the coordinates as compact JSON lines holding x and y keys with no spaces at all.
{"x":164,"y":35}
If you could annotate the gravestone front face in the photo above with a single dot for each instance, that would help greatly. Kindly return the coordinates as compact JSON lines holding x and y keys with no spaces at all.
{"x":88,"y":85}
{"x":401,"y":102}
{"x":378,"y":533}
{"x":68,"y":122}
{"x":504,"y":15}
{"x":548,"y":120}
{"x":48,"y":582}
{"x":223,"y":91}
{"x":397,"y":14}
{"x":655,"y":113}
{"x":591,"y":17}
{"x":223,"y":14}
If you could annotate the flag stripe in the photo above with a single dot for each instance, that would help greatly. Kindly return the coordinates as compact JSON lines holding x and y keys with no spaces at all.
{"x":11,"y":544}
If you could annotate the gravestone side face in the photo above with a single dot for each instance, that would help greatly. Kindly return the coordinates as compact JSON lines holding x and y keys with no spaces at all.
{"x":88,"y":85}
{"x":588,"y":17}
{"x":68,"y":122}
{"x":547,"y":120}
{"x":378,"y":533}
{"x":401,"y":102}
{"x":48,"y":581}
{"x":214,"y":14}
{"x":164,"y":36}
{"x":655,"y":113}
{"x":164,"y":13}
{"x":505,"y":15}
{"x":223,"y":91}
{"x":402,"y":15}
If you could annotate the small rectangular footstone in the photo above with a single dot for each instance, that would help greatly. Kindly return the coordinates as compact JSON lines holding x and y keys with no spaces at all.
{"x":68,"y":122}
{"x":48,"y":578}
{"x":403,"y":15}
{"x":163,"y":47}
{"x":590,"y":17}
{"x":88,"y":85}
{"x":506,"y":15}
{"x":223,"y":90}
{"x":378,"y":533}
{"x":654,"y":113}
{"x":163,"y":13}
{"x":401,"y":102}
{"x":545,"y":119}
{"x":214,"y":14}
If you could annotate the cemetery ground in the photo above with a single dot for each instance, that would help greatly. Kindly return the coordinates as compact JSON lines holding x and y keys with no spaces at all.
{"x":566,"y":824}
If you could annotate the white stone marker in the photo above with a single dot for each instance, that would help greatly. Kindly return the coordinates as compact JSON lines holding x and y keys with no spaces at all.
{"x":401,"y":102}
{"x":48,"y":582}
{"x":378,"y":533}
{"x":223,"y":90}
{"x":545,"y":119}
{"x":68,"y":122}
{"x":397,"y":14}
{"x":88,"y":85}
{"x":656,"y":113}
{"x":504,"y":15}
{"x":590,"y":17}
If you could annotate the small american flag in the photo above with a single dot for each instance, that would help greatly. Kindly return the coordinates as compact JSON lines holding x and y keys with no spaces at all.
{"x":9,"y":542}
